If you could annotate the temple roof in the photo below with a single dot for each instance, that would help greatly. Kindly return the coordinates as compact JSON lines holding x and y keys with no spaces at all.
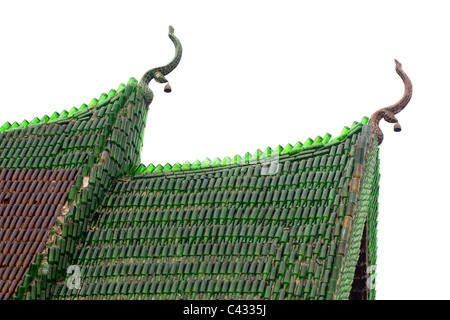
{"x":82,"y":218}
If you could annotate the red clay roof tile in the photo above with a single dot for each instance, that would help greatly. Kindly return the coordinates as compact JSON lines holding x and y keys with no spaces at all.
{"x":30,"y":201}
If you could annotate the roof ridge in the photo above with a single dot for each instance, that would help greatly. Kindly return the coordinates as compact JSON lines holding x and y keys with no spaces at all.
{"x":73,"y":113}
{"x":308,"y":147}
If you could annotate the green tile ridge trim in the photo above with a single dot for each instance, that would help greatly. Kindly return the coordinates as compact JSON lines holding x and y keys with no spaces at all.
{"x":258,"y":156}
{"x":64,"y":115}
{"x":357,"y":222}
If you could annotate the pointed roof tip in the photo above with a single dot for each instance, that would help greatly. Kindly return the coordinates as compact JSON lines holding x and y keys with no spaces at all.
{"x":171,"y":29}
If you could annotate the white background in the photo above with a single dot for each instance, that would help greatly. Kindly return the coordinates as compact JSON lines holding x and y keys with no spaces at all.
{"x":255,"y":74}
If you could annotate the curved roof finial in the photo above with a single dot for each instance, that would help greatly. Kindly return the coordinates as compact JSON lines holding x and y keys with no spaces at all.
{"x":159,"y":72}
{"x":388,"y":113}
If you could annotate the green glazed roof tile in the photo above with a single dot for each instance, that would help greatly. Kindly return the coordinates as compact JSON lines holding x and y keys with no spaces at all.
{"x":64,"y":113}
{"x":24,"y":124}
{"x":103,"y":96}
{"x":355,"y":128}
{"x":277,"y":150}
{"x":245,"y":159}
{"x":54,"y":116}
{"x":176,"y":167}
{"x":186,"y":166}
{"x":364,"y":120}
{"x":266,"y":154}
{"x":93,"y":102}
{"x":196,"y":165}
{"x":44,"y":119}
{"x":298,"y":147}
{"x":326,"y":138}
{"x":120,"y":88}
{"x":216,"y":163}
{"x":255,"y":156}
{"x":317,"y":140}
{"x":132,"y":81}
{"x":111,"y":93}
{"x":6,"y":126}
{"x":72,"y":112}
{"x":354,"y":124}
{"x":83,"y":107}
{"x":206,"y":163}
{"x":345,"y":130}
{"x":308,"y":142}
{"x":287,"y":148}
{"x":140,"y":169}
{"x":226,"y":161}
{"x":317,"y":143}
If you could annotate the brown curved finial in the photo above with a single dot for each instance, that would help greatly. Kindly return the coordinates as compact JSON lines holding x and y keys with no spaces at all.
{"x":388,"y":113}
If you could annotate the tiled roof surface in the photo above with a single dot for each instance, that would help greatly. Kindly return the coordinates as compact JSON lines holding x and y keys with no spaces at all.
{"x":260,"y":230}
